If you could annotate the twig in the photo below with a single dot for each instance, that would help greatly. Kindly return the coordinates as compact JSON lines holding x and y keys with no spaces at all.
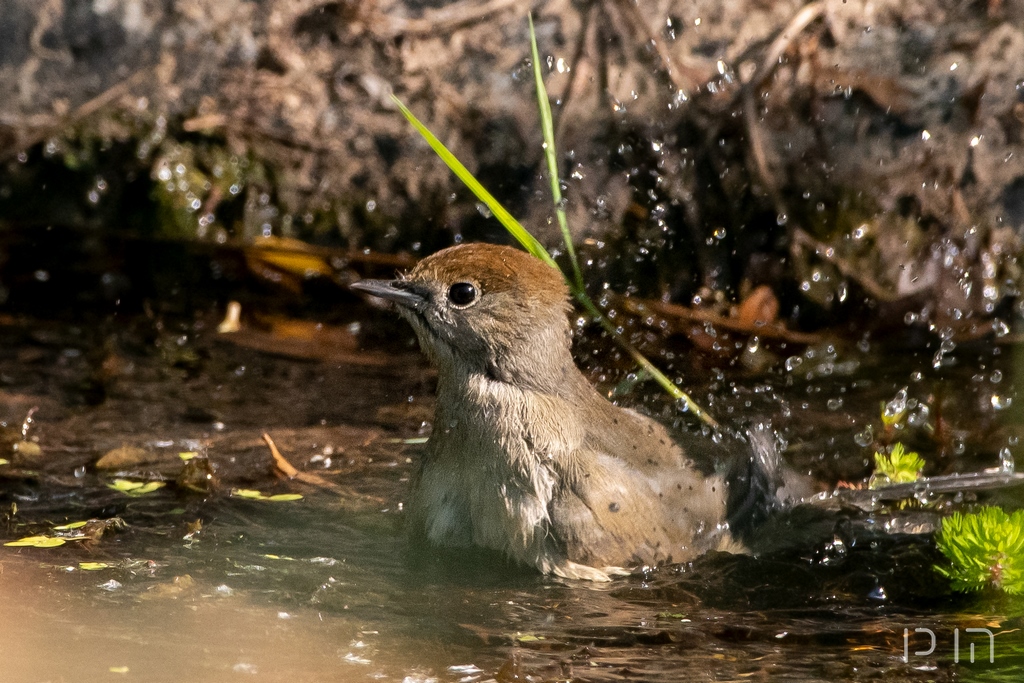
{"x":453,"y":16}
{"x":847,"y":269}
{"x":684,"y":78}
{"x":282,"y":465}
{"x":748,"y":95}
{"x":757,"y":153}
{"x":574,"y":61}
{"x":801,"y":20}
{"x":53,"y":125}
{"x":285,"y":468}
{"x":643,"y":307}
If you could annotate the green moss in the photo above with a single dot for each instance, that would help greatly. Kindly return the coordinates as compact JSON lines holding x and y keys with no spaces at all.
{"x":192,"y":180}
{"x":985,"y":550}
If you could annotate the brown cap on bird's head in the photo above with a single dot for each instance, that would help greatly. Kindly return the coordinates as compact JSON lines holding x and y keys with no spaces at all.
{"x":485,"y":308}
{"x":496,"y":269}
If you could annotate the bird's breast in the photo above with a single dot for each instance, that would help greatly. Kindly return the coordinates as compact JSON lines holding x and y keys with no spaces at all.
{"x":491,"y":468}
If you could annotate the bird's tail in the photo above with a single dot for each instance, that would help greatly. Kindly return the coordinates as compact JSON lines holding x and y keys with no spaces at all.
{"x":754,"y":481}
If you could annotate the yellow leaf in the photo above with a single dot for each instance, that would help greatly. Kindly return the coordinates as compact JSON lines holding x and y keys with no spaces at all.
{"x":4,"y":461}
{"x":290,"y":255}
{"x":136,"y":488}
{"x":70,"y":526}
{"x":36,"y":542}
{"x":118,"y":669}
{"x":125,"y":485}
{"x":247,"y":493}
{"x":283,"y":497}
{"x":188,"y":456}
{"x":92,"y":566}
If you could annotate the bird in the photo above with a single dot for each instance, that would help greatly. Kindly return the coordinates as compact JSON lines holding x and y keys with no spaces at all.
{"x":527,"y":458}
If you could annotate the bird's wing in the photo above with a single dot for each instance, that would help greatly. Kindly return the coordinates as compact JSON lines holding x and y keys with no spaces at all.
{"x":633,"y":497}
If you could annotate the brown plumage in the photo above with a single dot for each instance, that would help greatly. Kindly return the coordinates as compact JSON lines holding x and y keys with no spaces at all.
{"x":526,"y":457}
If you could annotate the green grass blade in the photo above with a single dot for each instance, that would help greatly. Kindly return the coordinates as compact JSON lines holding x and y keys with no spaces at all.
{"x":533,"y":246}
{"x":663,"y":381}
{"x":551,"y":156}
{"x":514,"y":227}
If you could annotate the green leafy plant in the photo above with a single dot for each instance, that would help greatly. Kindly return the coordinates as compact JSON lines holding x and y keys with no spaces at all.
{"x":899,"y":466}
{"x":985,"y":550}
{"x":532,"y":245}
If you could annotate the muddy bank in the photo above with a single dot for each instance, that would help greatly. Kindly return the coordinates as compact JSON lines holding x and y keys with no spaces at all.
{"x":842,"y":152}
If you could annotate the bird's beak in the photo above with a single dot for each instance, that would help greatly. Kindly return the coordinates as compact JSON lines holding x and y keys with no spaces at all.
{"x":402,"y":292}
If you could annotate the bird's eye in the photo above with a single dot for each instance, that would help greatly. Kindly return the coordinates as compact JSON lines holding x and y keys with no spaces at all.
{"x":462,"y":294}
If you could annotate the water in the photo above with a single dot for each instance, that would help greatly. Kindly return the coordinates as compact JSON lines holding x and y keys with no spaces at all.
{"x":330,"y":588}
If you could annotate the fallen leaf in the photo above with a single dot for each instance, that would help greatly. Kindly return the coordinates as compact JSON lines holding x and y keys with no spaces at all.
{"x":123,"y":457}
{"x":92,"y":566}
{"x":760,"y":308}
{"x":250,"y":494}
{"x":135,"y":488}
{"x":36,"y":542}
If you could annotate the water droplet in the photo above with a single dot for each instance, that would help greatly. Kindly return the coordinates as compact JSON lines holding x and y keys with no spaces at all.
{"x":1006,"y":464}
{"x":896,"y":407}
{"x":999,"y":402}
{"x":781,"y":219}
{"x":835,"y":404}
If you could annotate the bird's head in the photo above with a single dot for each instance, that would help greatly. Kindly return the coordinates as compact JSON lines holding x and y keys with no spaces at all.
{"x":486,"y":309}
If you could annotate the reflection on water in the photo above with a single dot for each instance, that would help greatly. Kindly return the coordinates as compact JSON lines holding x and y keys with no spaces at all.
{"x":328,"y":588}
